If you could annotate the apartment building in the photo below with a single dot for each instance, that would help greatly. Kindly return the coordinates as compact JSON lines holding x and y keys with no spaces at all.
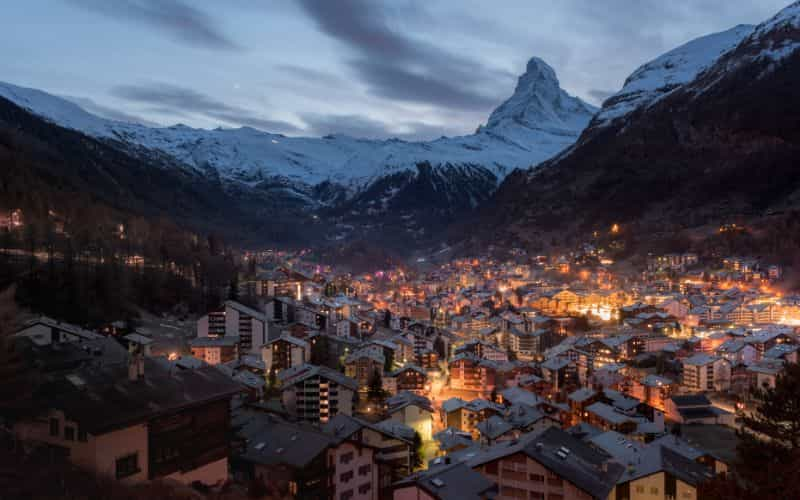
{"x":315,"y":394}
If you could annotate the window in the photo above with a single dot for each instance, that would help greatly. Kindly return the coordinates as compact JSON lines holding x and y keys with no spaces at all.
{"x":346,"y":476}
{"x":639,"y":488}
{"x":555,"y":496}
{"x":654,"y":490}
{"x":537,"y":478}
{"x":553,"y":480}
{"x":346,"y":458}
{"x":364,"y":470}
{"x":293,"y":488}
{"x":82,"y":437}
{"x":127,"y":465}
{"x":69,"y":433}
{"x":364,"y":488}
{"x":511,"y":492}
{"x":491,"y":468}
{"x":54,"y":427}
{"x":346,"y":495}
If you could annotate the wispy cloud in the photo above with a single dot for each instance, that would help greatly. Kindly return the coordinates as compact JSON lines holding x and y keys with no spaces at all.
{"x":600,"y":95}
{"x":177,"y":100}
{"x":176,"y":18}
{"x":400,"y":67}
{"x":319,"y":124}
{"x":107,"y":112}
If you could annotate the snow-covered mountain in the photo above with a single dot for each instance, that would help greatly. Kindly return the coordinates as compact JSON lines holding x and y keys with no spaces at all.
{"x":538,"y":121}
{"x":708,"y":134}
{"x":662,"y":75}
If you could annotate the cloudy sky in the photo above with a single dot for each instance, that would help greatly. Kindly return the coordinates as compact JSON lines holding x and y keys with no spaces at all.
{"x":405,"y":68}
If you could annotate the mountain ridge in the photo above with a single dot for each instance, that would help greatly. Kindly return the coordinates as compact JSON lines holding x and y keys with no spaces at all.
{"x":714,"y":149}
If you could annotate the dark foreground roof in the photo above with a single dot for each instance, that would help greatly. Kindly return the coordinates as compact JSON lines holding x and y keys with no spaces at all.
{"x":102,"y":398}
{"x":454,"y":482}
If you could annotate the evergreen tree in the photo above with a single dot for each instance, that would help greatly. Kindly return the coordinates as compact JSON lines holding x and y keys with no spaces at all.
{"x":768,"y":454}
{"x":417,"y":452}
{"x":17,"y":379}
{"x":375,"y":385}
{"x":233,"y":287}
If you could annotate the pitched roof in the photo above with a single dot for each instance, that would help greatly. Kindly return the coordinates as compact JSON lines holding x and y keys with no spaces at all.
{"x":452,"y":482}
{"x":271,"y":441}
{"x":102,"y":398}
{"x":571,"y":459}
{"x":297,"y":374}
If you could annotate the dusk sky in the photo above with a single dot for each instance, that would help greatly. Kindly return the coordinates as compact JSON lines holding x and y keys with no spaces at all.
{"x":407,"y":68}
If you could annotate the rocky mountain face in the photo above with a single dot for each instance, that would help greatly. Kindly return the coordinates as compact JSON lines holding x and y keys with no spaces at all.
{"x":350,"y":181}
{"x":719,"y":145}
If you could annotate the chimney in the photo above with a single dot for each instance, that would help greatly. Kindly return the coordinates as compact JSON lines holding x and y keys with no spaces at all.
{"x":133,"y":371}
{"x":135,"y":362}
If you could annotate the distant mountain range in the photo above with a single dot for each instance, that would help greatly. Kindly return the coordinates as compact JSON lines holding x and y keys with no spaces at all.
{"x":421,"y":184}
{"x":702,"y":111}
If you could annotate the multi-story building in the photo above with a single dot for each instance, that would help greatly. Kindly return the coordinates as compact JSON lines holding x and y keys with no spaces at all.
{"x":702,"y":372}
{"x":393,"y":443}
{"x":410,"y":378}
{"x":466,"y":415}
{"x":363,"y":364}
{"x":236,"y":320}
{"x":316,"y":393}
{"x":215,"y":350}
{"x":285,"y":352}
{"x":310,"y":463}
{"x":468,"y":372}
{"x":653,"y":390}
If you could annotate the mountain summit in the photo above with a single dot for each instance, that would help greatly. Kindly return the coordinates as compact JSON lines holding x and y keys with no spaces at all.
{"x":539,"y":104}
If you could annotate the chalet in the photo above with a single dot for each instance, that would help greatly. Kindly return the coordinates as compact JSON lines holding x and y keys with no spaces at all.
{"x":413,"y":411}
{"x":765,"y":372}
{"x":308,"y":462}
{"x":447,"y":482}
{"x":466,"y":415}
{"x":560,"y":373}
{"x":280,"y":283}
{"x":393,"y":444}
{"x":363,"y":364}
{"x":215,"y":350}
{"x":482,"y":349}
{"x":285,"y":352}
{"x":550,"y":464}
{"x":44,"y":331}
{"x":653,"y":470}
{"x":468,"y":372}
{"x":653,"y":390}
{"x":162,"y":424}
{"x":411,"y":378}
{"x":696,"y":408}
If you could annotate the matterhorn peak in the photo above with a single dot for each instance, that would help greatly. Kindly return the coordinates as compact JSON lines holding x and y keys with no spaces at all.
{"x":539,"y":103}
{"x":538,"y":70}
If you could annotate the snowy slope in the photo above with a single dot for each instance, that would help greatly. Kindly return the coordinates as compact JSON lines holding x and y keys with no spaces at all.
{"x":538,"y":121}
{"x":770,"y":42}
{"x":665,"y":73}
